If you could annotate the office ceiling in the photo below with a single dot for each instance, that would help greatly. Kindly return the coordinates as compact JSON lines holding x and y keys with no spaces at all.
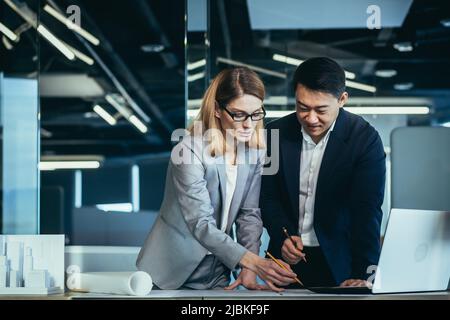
{"x":142,"y":57}
{"x":426,"y":68}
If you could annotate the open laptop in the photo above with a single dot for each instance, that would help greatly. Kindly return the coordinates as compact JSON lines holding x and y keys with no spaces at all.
{"x":415,"y":256}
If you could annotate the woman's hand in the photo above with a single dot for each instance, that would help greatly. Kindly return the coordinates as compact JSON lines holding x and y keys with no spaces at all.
{"x":269,"y":271}
{"x":247,"y":278}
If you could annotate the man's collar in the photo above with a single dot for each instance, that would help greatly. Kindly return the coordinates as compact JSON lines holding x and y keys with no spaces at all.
{"x":332,"y":125}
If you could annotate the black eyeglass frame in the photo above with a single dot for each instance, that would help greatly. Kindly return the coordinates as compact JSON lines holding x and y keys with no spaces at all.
{"x":233,"y":114}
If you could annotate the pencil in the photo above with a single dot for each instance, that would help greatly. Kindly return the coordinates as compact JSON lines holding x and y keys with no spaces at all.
{"x":293,"y":242}
{"x":278,"y":263}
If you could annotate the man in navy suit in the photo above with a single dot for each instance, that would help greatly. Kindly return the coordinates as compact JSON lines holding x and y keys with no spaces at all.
{"x":329,"y":188}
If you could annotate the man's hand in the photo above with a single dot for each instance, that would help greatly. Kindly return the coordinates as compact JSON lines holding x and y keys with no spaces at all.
{"x":290,"y":253}
{"x":247,"y":278}
{"x":356,"y":283}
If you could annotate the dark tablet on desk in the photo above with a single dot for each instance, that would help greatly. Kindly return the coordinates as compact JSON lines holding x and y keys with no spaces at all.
{"x":341,"y":290}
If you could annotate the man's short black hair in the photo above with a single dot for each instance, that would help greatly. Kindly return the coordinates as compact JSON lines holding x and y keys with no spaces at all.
{"x":321,"y":74}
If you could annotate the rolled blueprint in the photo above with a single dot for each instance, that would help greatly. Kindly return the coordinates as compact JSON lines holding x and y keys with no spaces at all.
{"x":137,"y":283}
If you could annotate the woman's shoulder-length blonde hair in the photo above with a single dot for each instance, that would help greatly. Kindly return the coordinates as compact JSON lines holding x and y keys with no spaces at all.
{"x":228,"y":85}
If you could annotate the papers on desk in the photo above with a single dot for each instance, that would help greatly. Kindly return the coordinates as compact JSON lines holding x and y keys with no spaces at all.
{"x":137,"y":283}
{"x":256,"y":295}
{"x":205,"y":294}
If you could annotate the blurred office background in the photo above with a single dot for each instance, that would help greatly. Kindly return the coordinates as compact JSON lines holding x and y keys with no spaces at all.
{"x":87,"y":113}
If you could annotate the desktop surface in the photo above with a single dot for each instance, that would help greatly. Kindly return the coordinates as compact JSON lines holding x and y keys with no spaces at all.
{"x":296,"y":294}
{"x":290,"y":294}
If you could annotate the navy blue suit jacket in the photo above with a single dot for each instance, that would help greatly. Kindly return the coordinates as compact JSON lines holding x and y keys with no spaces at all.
{"x":349,"y":194}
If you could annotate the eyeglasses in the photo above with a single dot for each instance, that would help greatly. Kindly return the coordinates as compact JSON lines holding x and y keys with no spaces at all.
{"x":243,"y":116}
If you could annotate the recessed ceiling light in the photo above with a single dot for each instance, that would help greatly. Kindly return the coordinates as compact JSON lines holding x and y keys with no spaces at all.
{"x":153,"y":48}
{"x":360,"y":86}
{"x":105,"y":115}
{"x":55,"y":165}
{"x":403,"y":86}
{"x":386,"y":73}
{"x":138,"y":124}
{"x":8,"y":32}
{"x":196,"y":64}
{"x":73,"y":26}
{"x":57,"y":43}
{"x":296,"y":62}
{"x":196,"y":76}
{"x":446,"y":22}
{"x":7,"y":44}
{"x":253,"y":67}
{"x":403,"y":46}
{"x":88,"y":115}
{"x":46,"y":133}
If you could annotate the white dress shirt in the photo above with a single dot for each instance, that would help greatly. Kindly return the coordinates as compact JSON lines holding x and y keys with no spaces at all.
{"x":310,"y":161}
{"x":231,"y":173}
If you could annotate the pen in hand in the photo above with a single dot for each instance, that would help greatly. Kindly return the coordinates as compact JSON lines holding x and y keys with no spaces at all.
{"x":293,"y":242}
{"x":277,"y":262}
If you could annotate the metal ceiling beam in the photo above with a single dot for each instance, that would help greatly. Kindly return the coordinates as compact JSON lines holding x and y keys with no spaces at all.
{"x":225,"y":28}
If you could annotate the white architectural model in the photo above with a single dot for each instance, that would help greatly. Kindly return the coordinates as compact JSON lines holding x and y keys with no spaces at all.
{"x":31,"y":264}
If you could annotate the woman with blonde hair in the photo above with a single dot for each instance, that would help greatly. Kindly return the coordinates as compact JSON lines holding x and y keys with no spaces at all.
{"x":213,"y":181}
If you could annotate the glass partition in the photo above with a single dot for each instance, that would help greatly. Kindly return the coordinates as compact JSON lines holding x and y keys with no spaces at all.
{"x":19,"y":117}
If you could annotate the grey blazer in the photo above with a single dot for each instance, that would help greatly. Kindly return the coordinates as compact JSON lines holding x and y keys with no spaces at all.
{"x":187,"y":225}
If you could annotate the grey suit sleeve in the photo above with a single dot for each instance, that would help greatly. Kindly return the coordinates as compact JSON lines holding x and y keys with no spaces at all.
{"x":195,"y":204}
{"x":249,"y":224}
